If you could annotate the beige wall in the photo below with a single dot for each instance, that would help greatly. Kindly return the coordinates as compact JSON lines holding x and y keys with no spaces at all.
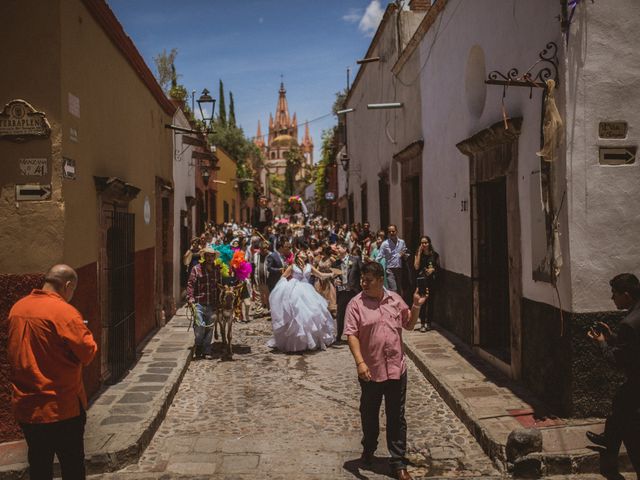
{"x":62,"y":50}
{"x":226,"y":191}
{"x":120,"y":132}
{"x":31,"y":233}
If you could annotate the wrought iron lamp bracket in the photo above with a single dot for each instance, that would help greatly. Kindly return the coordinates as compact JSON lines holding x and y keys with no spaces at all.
{"x":545,"y":68}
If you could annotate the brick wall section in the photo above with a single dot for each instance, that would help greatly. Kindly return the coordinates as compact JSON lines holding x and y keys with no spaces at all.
{"x":145,"y":300}
{"x":13,"y":288}
{"x":86,"y":300}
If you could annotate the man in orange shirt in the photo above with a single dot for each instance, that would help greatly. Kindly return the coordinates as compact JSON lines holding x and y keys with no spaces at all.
{"x":47,"y":346}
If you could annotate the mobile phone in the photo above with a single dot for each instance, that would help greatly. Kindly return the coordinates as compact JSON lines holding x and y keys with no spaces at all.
{"x":421,"y":283}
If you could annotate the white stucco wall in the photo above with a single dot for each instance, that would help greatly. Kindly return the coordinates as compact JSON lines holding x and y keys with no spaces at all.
{"x":603,"y":65}
{"x":184,"y":185}
{"x":374,"y":136}
{"x":509,"y":34}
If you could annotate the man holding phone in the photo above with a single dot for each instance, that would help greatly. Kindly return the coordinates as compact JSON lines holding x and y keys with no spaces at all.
{"x":622,"y":351}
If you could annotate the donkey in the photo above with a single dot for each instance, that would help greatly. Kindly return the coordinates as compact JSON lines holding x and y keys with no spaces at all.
{"x":226,"y":315}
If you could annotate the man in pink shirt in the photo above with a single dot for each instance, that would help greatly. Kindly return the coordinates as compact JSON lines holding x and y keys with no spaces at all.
{"x":373,"y":326}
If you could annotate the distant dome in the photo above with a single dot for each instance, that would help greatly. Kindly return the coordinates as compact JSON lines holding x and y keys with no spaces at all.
{"x":284,"y":141}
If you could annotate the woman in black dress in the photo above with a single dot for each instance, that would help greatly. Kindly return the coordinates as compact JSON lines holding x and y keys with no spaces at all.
{"x":427,"y":267}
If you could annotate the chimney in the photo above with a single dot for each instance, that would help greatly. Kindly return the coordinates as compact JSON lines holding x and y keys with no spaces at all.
{"x":419,"y":5}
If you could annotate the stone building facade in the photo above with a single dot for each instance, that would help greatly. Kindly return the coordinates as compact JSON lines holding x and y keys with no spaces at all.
{"x":95,"y":191}
{"x":282,"y":138}
{"x":527,"y":244}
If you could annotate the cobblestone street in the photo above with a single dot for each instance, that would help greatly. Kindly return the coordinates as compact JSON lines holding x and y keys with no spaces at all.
{"x":272,"y":415}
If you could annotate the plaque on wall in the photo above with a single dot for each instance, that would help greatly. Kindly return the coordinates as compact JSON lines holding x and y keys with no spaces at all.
{"x":613,"y":130}
{"x":19,"y":121}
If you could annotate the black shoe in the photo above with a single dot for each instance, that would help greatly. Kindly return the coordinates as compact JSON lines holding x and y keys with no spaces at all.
{"x":597,"y":438}
{"x":367,"y":458}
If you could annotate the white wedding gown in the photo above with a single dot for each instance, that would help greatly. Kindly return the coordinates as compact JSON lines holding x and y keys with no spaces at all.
{"x":299,"y":315}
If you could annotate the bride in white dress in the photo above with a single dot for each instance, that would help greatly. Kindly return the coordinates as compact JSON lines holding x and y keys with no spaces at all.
{"x":299,"y":315}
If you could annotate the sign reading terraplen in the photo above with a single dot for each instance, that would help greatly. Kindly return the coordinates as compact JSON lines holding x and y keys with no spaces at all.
{"x":19,"y":121}
{"x":33,"y":192}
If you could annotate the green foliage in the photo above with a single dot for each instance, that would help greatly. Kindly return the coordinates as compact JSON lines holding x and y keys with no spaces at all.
{"x":276,"y":185}
{"x":340,"y":101}
{"x":328,"y":153}
{"x":294,"y":159}
{"x":164,"y":65}
{"x":232,"y":111}
{"x":179,"y":92}
{"x":222,"y":109}
{"x":242,"y":150}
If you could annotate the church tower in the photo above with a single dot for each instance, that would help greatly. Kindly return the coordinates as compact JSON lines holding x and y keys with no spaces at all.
{"x":282,"y":137}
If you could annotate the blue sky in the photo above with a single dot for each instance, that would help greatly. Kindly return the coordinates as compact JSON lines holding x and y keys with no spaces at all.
{"x":250,"y":43}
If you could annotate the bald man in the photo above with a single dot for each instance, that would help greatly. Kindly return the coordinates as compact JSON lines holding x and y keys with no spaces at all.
{"x":48,"y":344}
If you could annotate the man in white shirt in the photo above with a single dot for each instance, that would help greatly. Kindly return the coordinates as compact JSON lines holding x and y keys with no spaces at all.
{"x":393,"y":250}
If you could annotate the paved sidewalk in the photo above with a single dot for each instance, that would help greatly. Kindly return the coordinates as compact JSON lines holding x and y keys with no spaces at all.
{"x":491,"y":406}
{"x":123,"y":419}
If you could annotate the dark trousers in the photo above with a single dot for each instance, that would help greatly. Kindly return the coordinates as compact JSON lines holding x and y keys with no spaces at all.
{"x":64,"y":439}
{"x":622,"y":426}
{"x":426,"y":311}
{"x":395,"y":280}
{"x":343,"y":298}
{"x":395,"y":394}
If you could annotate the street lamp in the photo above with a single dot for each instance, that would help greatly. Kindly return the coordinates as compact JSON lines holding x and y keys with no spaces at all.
{"x":207,"y":101}
{"x":205,"y":173}
{"x":344,"y":161}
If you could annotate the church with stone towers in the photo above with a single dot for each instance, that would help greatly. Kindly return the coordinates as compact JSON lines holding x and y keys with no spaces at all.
{"x":282,"y":137}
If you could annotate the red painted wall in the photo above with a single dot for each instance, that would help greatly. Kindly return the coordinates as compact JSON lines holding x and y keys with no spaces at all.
{"x":12,"y":288}
{"x":86,"y":300}
{"x":145,"y":293}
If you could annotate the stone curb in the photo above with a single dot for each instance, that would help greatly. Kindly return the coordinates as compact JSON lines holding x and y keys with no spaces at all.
{"x":491,"y":447}
{"x":101,"y":462}
{"x":131,"y":445}
{"x":552,"y":464}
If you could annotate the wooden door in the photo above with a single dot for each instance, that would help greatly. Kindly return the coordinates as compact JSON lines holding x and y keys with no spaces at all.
{"x":493,"y":268}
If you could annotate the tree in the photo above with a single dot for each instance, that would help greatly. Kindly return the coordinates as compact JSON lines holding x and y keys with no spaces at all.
{"x":294,"y":160}
{"x":232,"y":111}
{"x":231,"y":138}
{"x":340,"y":101}
{"x":222,"y":115}
{"x":164,"y":65}
{"x":328,"y":154}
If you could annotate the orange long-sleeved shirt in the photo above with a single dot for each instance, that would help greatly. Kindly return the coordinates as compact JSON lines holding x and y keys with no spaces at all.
{"x":47,"y":346}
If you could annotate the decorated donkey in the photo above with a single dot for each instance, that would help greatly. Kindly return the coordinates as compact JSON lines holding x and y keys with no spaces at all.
{"x":226,"y":314}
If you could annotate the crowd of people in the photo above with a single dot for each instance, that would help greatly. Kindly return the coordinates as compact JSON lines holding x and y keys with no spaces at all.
{"x":318,"y":280}
{"x":307,"y":268}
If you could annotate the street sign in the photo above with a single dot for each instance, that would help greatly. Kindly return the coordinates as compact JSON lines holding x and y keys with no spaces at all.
{"x":68,"y":168}
{"x":33,"y":192}
{"x":612,"y":130}
{"x":617,"y":156}
{"x":33,"y":167}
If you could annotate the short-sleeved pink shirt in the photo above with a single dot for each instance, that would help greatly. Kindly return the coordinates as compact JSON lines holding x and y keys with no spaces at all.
{"x":378,"y":326}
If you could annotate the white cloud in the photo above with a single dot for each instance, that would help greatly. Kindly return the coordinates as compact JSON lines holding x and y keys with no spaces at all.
{"x":371,"y":18}
{"x":353,"y":15}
